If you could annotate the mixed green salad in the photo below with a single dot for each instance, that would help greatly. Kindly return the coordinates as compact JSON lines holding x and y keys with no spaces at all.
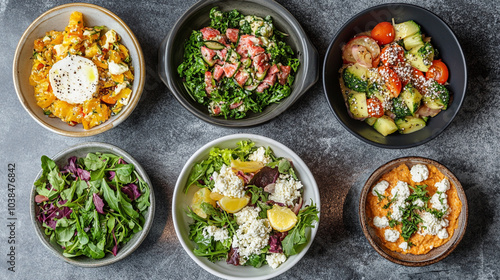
{"x":247,"y":207}
{"x":93,"y":205}
{"x":237,"y":64}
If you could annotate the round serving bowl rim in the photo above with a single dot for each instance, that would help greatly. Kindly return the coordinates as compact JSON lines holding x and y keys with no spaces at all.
{"x":109,"y":124}
{"x":365,"y":191}
{"x":149,"y":219}
{"x":391,"y":146}
{"x":270,"y":142}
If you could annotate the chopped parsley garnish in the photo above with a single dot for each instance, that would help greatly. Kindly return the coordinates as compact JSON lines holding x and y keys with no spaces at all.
{"x":380,"y":196}
{"x":390,"y":202}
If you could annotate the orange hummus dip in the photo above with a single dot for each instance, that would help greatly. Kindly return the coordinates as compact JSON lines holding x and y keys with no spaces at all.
{"x":422,"y":243}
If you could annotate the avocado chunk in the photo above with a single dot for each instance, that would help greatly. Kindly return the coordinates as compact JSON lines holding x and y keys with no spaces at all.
{"x":409,"y":124}
{"x":385,"y":125}
{"x":357,"y":105}
{"x":356,"y":77}
{"x":406,"y":29}
{"x":421,"y":57}
{"x":437,"y":96}
{"x":411,"y":98}
{"x":413,"y":41}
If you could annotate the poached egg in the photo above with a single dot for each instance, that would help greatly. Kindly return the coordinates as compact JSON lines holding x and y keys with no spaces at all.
{"x":74,"y":79}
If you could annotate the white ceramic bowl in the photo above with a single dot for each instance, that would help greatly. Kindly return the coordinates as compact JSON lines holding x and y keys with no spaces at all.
{"x":81,"y":150}
{"x":57,"y":19}
{"x":181,"y":201}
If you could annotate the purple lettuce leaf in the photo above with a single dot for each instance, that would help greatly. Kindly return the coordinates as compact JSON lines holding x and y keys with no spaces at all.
{"x":132,"y":191}
{"x":233,"y":257}
{"x":122,"y":161}
{"x":83,"y":174}
{"x":265,"y":176}
{"x":112,"y":175}
{"x":99,"y":204}
{"x":49,"y":214}
{"x":275,"y":242}
{"x":114,"y":251}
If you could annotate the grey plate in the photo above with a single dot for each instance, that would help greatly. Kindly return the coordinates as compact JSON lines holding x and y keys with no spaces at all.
{"x":443,"y":39}
{"x":81,"y":150}
{"x":171,"y":53}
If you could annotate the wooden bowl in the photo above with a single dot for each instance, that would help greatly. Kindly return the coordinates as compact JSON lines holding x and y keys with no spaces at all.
{"x":435,"y":254}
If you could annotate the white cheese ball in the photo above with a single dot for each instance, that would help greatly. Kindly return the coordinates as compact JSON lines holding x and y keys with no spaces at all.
{"x":439,"y":202}
{"x":381,"y":222}
{"x":74,"y":79}
{"x":391,"y":235}
{"x":419,"y":173}
{"x":443,"y":234}
{"x":419,"y":202}
{"x":404,"y":246}
{"x":380,"y":187}
{"x":443,"y":186}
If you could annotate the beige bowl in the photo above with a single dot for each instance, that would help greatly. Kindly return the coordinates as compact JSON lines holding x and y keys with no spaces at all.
{"x":57,"y":19}
{"x":435,"y":254}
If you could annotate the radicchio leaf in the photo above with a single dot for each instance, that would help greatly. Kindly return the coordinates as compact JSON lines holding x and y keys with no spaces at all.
{"x":275,"y":242}
{"x":99,"y":204}
{"x":83,"y":174}
{"x":49,"y":214}
{"x":112,"y":175}
{"x":115,"y":248}
{"x":246,"y":177}
{"x":71,"y":167}
{"x":265,"y":176}
{"x":272,"y":202}
{"x":132,"y":191}
{"x":233,"y":257}
{"x":122,"y":161}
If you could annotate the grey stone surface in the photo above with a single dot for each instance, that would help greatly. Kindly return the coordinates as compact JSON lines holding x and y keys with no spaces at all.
{"x":161,"y":135}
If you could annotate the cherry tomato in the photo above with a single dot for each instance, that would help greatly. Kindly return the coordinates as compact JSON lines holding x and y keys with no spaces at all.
{"x":383,"y":33}
{"x":438,"y":72}
{"x":375,"y":107}
{"x":391,"y":79}
{"x":392,"y":54}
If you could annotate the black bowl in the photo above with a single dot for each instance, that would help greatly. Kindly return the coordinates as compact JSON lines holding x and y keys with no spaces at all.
{"x":172,"y":49}
{"x":443,"y":39}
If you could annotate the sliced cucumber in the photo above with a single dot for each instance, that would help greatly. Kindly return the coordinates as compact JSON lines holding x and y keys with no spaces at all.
{"x":371,"y":121}
{"x":411,"y":98}
{"x":409,"y":124}
{"x":232,"y":56}
{"x":357,"y":105}
{"x":385,"y":125}
{"x":214,"y":45}
{"x":356,"y":77}
{"x":260,"y":76}
{"x":413,"y":41}
{"x":251,"y":87}
{"x":246,"y":62}
{"x":406,"y":29}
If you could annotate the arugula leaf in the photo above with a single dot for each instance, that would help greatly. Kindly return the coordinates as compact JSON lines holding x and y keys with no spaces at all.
{"x":109,"y":196}
{"x":297,"y":235}
{"x":93,"y":162}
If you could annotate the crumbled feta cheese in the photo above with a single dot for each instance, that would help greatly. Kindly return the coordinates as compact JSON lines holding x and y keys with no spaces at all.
{"x":227,"y":183}
{"x":286,"y":190}
{"x":120,"y":87}
{"x":251,"y":236}
{"x":60,"y":49}
{"x":419,"y":202}
{"x":404,"y":246}
{"x":419,"y":173}
{"x":46,"y":39}
{"x":443,"y":234}
{"x":247,"y":214}
{"x":117,"y":68}
{"x":439,"y":201}
{"x":430,"y":224}
{"x":380,"y":187}
{"x":402,"y":192}
{"x":443,"y":186}
{"x":391,"y":235}
{"x":260,"y":155}
{"x":111,"y":38}
{"x":219,"y":234}
{"x":381,"y":222}
{"x":275,"y":259}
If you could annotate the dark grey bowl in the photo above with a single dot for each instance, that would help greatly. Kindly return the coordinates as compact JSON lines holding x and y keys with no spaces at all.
{"x":81,"y":150}
{"x":443,"y":39}
{"x":172,"y":49}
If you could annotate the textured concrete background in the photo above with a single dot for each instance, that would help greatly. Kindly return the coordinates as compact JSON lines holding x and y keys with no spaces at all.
{"x":162,"y":135}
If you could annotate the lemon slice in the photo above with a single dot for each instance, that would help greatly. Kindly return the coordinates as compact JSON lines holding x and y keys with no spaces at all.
{"x":246,"y":166}
{"x":202,"y":195}
{"x":216,"y":196}
{"x":233,"y":205}
{"x":281,"y":218}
